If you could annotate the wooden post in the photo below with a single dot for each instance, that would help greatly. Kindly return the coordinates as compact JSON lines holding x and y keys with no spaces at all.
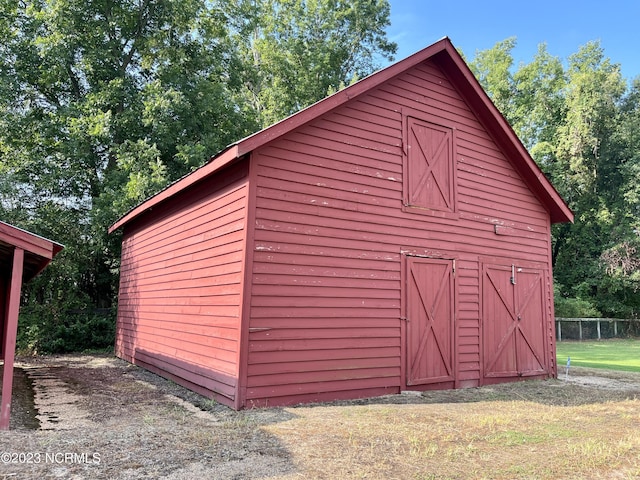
{"x":559,"y":330}
{"x":10,"y":332}
{"x":580,"y":329}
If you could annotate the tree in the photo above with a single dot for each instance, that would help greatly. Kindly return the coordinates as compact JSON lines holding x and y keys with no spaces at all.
{"x":586,"y":156}
{"x":539,"y":106}
{"x":621,"y":256}
{"x":493,"y":68}
{"x":296,"y":51}
{"x":104,"y":102}
{"x":580,"y":126}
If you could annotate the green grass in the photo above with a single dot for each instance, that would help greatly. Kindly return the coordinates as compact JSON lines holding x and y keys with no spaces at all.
{"x":608,"y":354}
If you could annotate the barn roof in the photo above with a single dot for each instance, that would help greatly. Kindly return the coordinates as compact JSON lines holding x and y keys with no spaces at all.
{"x":38,"y":250}
{"x":447,"y":57}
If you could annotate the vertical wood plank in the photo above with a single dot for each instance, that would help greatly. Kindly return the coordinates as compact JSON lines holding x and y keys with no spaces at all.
{"x":246,"y":288}
{"x":11,"y":327}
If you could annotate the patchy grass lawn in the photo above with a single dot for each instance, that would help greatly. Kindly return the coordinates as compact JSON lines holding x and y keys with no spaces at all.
{"x":142,"y":426}
{"x":609,"y":354}
{"x":480,"y":440}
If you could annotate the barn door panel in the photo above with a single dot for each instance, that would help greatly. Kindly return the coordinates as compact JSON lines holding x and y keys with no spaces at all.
{"x":430,"y":315}
{"x":529,"y":296}
{"x":513,"y":321}
{"x":430,"y":179}
{"x":499,"y":339}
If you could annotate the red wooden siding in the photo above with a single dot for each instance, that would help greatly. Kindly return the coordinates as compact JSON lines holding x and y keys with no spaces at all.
{"x":331,"y":237}
{"x":181,"y":286}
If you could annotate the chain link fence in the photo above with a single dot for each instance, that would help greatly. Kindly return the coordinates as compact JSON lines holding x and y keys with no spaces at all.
{"x":596,"y":328}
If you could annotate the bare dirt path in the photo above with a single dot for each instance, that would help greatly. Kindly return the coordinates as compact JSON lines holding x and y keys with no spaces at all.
{"x":101,"y":417}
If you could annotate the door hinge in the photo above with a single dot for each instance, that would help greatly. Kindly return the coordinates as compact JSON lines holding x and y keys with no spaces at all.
{"x":404,"y":319}
{"x":513,"y":274}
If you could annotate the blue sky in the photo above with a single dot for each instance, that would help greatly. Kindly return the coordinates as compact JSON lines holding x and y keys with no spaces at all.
{"x":563,"y":25}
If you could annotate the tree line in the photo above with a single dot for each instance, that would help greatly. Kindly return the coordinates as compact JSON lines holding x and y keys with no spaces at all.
{"x":580,"y":120}
{"x":105,"y":102}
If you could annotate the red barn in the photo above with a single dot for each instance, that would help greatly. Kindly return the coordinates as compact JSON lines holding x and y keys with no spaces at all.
{"x":393,"y":236}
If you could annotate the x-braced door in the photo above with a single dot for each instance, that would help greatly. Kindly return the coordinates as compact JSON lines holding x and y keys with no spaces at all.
{"x":513,"y":321}
{"x":430,"y":166}
{"x":430,"y":320}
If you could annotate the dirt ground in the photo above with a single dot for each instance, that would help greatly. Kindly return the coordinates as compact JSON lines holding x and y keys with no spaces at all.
{"x":100,"y":417}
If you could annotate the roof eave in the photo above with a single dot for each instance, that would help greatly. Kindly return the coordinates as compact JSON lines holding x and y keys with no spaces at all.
{"x":485,"y":109}
{"x":38,"y":250}
{"x":489,"y":114}
{"x":29,"y":242}
{"x":260,"y":138}
{"x":215,"y":164}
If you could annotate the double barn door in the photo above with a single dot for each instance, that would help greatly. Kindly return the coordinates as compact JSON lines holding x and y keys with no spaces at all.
{"x":513,"y":321}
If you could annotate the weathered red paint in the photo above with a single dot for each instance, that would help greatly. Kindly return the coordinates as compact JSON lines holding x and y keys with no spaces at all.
{"x":431,"y":321}
{"x":12,"y":309}
{"x":306,"y":269}
{"x":181,"y":286}
{"x":22,"y":256}
{"x":513,"y":298}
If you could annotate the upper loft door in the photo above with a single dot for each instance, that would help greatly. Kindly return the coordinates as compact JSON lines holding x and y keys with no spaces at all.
{"x":429,"y":166}
{"x":513,"y":321}
{"x":430,"y":320}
